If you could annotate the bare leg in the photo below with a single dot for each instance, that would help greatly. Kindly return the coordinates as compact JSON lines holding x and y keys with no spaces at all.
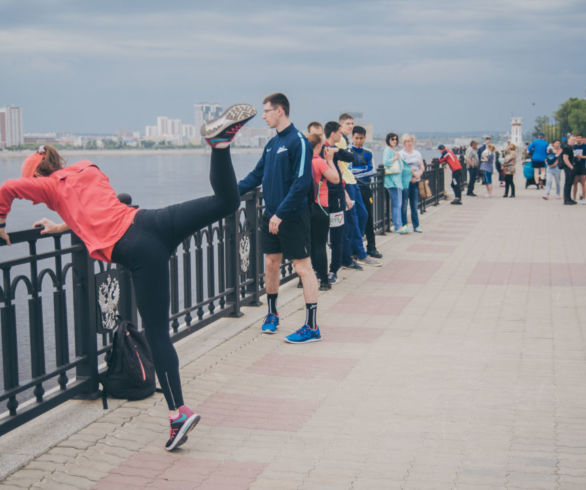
{"x":305,"y":271}
{"x":272,"y":274}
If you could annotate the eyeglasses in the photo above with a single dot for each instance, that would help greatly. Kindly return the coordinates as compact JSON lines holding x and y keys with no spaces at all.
{"x":269,"y":110}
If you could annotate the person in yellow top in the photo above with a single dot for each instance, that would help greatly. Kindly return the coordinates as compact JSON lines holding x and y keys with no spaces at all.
{"x":354,"y":218}
{"x":347,"y":123}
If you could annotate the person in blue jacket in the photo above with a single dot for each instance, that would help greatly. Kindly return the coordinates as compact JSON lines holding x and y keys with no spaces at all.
{"x":538,"y":150}
{"x":284,"y":170}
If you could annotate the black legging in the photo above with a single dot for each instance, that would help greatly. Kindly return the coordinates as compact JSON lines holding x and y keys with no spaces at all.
{"x":145,"y":249}
{"x":320,"y":226}
{"x":509,"y":184}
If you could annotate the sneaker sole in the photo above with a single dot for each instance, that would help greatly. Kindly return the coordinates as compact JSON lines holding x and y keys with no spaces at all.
{"x":187,"y":427}
{"x":269,"y":332}
{"x":370,"y":265}
{"x":302,"y":342}
{"x":239,"y":113}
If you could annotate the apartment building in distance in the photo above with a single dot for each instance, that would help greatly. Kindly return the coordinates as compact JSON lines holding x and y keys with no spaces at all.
{"x":204,"y":112}
{"x":11,"y":133}
{"x":172,"y":130}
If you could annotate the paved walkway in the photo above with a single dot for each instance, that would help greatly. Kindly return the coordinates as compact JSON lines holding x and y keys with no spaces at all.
{"x":459,"y":364}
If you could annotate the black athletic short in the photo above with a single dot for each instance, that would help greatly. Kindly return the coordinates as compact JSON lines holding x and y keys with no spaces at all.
{"x":538,"y":164}
{"x":580,"y":167}
{"x":293,"y":238}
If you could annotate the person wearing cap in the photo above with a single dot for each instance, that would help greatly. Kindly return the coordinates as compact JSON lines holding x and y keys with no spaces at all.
{"x":448,"y":157}
{"x":141,"y":240}
{"x":538,"y":150}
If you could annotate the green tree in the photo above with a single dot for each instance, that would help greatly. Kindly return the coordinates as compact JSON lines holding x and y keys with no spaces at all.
{"x":571,"y":116}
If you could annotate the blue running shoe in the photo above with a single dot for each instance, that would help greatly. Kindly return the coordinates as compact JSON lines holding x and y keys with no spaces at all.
{"x":304,"y":335}
{"x":271,"y":323}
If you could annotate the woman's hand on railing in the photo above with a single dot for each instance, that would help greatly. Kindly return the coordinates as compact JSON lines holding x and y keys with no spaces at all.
{"x":4,"y":236}
{"x":50,"y":227}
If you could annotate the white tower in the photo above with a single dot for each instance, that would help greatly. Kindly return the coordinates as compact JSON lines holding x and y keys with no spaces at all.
{"x":516,"y":132}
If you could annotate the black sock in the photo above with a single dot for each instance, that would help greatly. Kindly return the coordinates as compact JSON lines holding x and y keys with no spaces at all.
{"x":272,"y":299}
{"x":311,"y":315}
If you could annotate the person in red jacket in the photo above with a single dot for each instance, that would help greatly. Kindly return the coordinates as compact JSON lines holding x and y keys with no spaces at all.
{"x":448,"y":156}
{"x":141,"y":240}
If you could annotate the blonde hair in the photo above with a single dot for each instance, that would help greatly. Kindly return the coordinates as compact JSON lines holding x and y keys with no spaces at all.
{"x":491,"y":147}
{"x":407,"y":137}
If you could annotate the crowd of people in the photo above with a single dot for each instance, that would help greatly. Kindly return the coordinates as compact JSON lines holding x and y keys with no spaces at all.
{"x":548,"y":160}
{"x":543,"y":165}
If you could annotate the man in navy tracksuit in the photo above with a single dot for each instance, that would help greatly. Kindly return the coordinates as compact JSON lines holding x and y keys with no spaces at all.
{"x":284,"y":170}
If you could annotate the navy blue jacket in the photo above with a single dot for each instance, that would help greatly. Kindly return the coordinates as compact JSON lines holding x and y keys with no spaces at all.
{"x":362,"y":165}
{"x":284,"y":170}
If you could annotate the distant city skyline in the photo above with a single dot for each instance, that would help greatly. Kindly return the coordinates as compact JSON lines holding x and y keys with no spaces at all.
{"x":413,"y":65}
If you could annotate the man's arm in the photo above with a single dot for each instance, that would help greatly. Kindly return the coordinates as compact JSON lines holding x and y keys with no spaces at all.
{"x":254,"y":178}
{"x":567,"y":161}
{"x":300,"y":155}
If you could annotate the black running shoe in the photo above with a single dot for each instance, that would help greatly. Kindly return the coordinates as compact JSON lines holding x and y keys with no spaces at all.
{"x":180,"y":426}
{"x":220,"y":132}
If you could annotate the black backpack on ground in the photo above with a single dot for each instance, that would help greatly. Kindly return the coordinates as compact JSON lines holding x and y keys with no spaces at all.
{"x":131,"y":371}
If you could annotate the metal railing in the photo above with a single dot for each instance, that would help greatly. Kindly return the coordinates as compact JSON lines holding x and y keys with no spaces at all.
{"x":57,"y":304}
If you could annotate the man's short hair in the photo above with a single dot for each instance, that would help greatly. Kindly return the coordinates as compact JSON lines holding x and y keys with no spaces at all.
{"x":344,"y":116}
{"x":331,"y":127}
{"x":314,"y":139}
{"x":359,"y":130}
{"x":278,"y":99}
{"x":314,"y":124}
{"x":473,"y":142}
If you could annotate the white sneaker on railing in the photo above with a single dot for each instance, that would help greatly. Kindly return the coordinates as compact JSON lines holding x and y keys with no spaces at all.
{"x":220,"y":132}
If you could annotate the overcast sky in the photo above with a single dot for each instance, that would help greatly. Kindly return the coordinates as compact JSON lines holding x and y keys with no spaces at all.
{"x":414,"y":65}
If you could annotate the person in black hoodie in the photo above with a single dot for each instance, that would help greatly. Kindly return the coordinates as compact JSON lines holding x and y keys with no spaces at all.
{"x":337,"y":198}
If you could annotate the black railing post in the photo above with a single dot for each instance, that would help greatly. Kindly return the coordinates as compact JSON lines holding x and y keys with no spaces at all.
{"x":233,"y":263}
{"x":255,"y":255}
{"x":435,"y":172}
{"x":9,"y":343}
{"x":127,"y":303}
{"x":380,"y":200}
{"x":85,"y":317}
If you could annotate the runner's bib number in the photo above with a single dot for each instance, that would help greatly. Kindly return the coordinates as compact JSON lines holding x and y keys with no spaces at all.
{"x":336,"y":219}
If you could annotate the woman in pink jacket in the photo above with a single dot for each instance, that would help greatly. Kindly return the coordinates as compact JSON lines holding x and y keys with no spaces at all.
{"x":140,"y":240}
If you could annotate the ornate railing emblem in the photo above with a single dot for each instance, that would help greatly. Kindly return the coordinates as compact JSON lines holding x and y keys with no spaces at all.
{"x":244,"y":251}
{"x":108,"y":299}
